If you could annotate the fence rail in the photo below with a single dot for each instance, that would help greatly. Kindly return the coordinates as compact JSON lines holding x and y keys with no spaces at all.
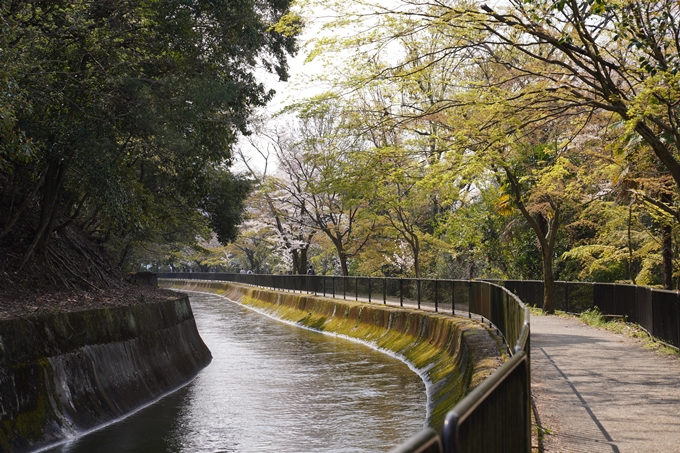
{"x":495,"y":416}
{"x":655,"y":310}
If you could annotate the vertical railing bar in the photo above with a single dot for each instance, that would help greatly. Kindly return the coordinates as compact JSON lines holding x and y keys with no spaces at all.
{"x":592,"y":297}
{"x":436,"y":296}
{"x":369,"y":290}
{"x":418,"y":290}
{"x":401,"y":292}
{"x":384,"y":290}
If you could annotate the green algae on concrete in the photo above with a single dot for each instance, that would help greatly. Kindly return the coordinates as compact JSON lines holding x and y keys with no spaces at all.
{"x":453,"y":354}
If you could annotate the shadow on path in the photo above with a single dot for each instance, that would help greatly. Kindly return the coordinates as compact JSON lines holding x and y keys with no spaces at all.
{"x":601,"y":392}
{"x":585,"y":406}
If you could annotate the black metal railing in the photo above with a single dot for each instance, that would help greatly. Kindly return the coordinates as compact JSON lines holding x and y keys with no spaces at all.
{"x":655,"y":310}
{"x":496,"y":415}
{"x":451,"y":296}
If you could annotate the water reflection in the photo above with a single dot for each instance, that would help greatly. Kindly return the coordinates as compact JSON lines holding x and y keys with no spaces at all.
{"x":273,"y":387}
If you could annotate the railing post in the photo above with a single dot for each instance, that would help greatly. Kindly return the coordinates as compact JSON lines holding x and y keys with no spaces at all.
{"x":333,"y":285}
{"x":418,"y":290}
{"x":469,"y":283}
{"x":384,"y":290}
{"x":566,"y":296}
{"x":401,"y":292}
{"x":453,"y":297}
{"x":592,"y":296}
{"x":344,"y":287}
{"x":369,"y":290}
{"x":436,"y":296}
{"x":323,"y":285}
{"x":356,"y":288}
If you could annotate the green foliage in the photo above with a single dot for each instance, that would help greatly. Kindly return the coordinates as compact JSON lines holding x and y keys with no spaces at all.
{"x":593,"y":317}
{"x":498,"y":143}
{"x":121,"y":116}
{"x":224,"y":206}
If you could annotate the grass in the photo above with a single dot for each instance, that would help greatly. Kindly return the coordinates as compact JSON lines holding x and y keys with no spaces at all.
{"x":594,"y":317}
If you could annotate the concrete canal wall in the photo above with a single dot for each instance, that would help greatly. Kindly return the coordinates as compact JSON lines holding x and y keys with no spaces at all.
{"x":68,"y":372}
{"x":453,"y":353}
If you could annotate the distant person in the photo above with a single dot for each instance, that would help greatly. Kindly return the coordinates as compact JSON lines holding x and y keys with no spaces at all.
{"x":250,"y":271}
{"x":242,"y":271}
{"x":310,"y":271}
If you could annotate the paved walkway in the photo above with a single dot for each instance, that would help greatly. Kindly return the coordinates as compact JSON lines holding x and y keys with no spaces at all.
{"x":601,"y":392}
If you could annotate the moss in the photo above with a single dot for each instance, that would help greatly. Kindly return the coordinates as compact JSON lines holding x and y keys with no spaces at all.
{"x":30,"y":424}
{"x":5,"y":432}
{"x":181,"y":309}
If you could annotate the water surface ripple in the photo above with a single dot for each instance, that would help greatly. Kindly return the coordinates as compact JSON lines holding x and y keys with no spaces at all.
{"x":272,"y":387}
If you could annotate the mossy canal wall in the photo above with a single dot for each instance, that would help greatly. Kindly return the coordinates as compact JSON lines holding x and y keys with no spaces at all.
{"x":69,"y":372}
{"x":453,"y":354}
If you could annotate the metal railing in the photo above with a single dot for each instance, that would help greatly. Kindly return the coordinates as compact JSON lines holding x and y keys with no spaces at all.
{"x":496,"y":415}
{"x":451,"y":296}
{"x":655,"y":310}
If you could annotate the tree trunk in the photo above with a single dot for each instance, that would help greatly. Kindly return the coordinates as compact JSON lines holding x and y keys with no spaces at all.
{"x":548,"y":282}
{"x":303,"y":260}
{"x":25,"y":203}
{"x":667,"y":245}
{"x":667,"y":253}
{"x":51,"y":202}
{"x":416,"y":262}
{"x":53,"y":185}
{"x":296,"y":261}
{"x":631,"y":276}
{"x":343,"y":264}
{"x":546,"y":233}
{"x":416,"y":255}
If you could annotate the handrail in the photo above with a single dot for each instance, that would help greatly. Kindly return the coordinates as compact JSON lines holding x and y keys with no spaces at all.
{"x":424,"y":441}
{"x":497,"y":413}
{"x":656,"y":311}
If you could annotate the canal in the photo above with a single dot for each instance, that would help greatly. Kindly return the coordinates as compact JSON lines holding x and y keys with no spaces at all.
{"x":272,"y":387}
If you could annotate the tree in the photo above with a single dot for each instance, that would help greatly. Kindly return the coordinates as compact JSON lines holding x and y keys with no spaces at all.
{"x":614,"y":242}
{"x":327,"y":186}
{"x":254,"y":249}
{"x":550,"y":62}
{"x":134,"y":110}
{"x":224,"y":204}
{"x":402,"y":200}
{"x":271,"y":203}
{"x":619,"y":57}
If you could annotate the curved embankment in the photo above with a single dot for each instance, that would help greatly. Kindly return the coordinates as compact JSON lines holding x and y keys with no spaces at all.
{"x":454,"y":354}
{"x":68,"y":372}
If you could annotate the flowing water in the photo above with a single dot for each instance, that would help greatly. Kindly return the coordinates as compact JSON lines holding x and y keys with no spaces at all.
{"x":272,"y":387}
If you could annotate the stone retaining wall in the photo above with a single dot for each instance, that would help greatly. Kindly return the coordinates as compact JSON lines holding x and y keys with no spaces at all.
{"x":68,"y":372}
{"x":454,"y":354}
